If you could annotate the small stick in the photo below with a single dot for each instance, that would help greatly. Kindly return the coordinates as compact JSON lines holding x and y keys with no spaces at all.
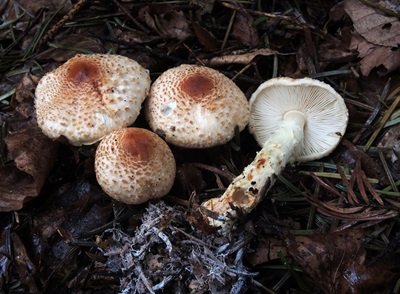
{"x":50,"y":34}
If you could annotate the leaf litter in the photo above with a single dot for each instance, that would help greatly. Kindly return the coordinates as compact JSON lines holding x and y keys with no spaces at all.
{"x":330,"y":224}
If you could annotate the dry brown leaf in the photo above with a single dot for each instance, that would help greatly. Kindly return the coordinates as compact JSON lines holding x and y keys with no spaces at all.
{"x":239,"y":57}
{"x":31,"y":155}
{"x":372,"y":25}
{"x":337,"y":262}
{"x":169,"y":24}
{"x":374,"y":56}
{"x":244,"y":31}
{"x":205,"y":38}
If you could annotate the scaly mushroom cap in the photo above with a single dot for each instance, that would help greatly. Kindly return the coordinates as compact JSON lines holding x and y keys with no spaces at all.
{"x":134,"y":165}
{"x":90,"y":96}
{"x":196,"y":107}
{"x":323,"y":108}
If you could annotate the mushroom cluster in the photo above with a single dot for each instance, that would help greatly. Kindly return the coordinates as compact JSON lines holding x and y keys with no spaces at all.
{"x":95,"y":97}
{"x":293,"y":120}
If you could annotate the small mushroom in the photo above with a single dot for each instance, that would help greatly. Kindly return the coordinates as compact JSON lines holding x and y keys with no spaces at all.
{"x":134,"y":165}
{"x":90,"y":96}
{"x":293,"y":120}
{"x":196,"y":107}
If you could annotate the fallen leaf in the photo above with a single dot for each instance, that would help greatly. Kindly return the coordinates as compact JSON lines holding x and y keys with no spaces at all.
{"x":205,"y":38}
{"x":31,"y":154}
{"x":372,"y":25}
{"x":169,"y":24}
{"x":338,"y":263}
{"x":374,"y":56}
{"x":239,"y":57}
{"x":244,"y":31}
{"x":33,"y":157}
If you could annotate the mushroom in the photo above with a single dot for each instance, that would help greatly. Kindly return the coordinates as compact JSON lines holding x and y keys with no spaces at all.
{"x":196,"y":107}
{"x":134,"y":165}
{"x":90,"y":96}
{"x":293,"y":120}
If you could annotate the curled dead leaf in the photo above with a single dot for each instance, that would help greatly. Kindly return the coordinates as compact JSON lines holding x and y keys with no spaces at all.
{"x":169,"y":24}
{"x":31,"y":155}
{"x":373,"y":56}
{"x":375,"y":27}
{"x":239,"y":57}
{"x":244,"y":31}
{"x":205,"y":38}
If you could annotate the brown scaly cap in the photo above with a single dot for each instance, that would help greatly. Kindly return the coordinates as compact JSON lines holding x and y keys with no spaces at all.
{"x":134,"y":165}
{"x":196,"y":107}
{"x":89,"y":96}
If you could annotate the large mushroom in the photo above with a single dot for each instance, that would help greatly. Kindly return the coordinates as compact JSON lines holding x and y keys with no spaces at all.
{"x":293,"y":120}
{"x":90,"y":96}
{"x":134,"y":165}
{"x":196,"y":107}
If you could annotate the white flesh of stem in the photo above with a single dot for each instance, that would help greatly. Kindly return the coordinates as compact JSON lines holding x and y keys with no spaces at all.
{"x":248,"y":189}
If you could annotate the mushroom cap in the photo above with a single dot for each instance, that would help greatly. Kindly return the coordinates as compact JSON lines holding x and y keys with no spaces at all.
{"x":196,"y":107}
{"x":134,"y":165}
{"x":90,"y":96}
{"x":323,"y":108}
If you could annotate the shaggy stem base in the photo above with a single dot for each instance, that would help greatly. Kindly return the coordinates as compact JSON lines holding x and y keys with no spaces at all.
{"x":249,"y":188}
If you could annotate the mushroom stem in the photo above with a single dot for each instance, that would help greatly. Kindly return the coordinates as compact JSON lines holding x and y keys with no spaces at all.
{"x":249,"y":188}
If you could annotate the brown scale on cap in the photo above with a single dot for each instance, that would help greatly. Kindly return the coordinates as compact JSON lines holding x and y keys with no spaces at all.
{"x":197,"y":87}
{"x":83,"y":72}
{"x":138,"y":144}
{"x":134,"y":165}
{"x":196,"y":107}
{"x":90,"y":96}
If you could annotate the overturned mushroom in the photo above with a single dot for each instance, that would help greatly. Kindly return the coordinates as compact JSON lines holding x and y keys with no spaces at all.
{"x":134,"y":165}
{"x":196,"y":107}
{"x":294,"y":120}
{"x":90,"y":96}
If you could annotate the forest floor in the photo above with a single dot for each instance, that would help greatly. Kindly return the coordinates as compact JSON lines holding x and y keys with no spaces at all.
{"x":329,"y":226}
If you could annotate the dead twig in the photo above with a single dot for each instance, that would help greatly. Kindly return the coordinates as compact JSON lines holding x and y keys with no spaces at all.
{"x":55,"y":28}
